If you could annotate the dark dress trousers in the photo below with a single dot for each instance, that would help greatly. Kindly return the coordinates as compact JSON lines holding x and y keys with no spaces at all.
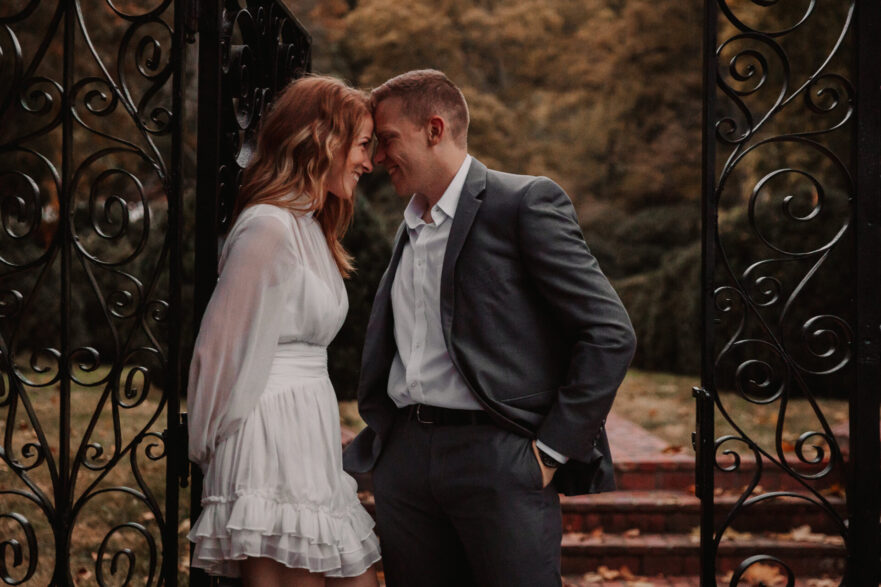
{"x":530,"y":322}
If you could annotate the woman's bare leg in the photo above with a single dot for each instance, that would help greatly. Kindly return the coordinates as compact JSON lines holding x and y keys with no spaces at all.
{"x":300,"y":578}
{"x":265,"y":572}
{"x":258,"y":571}
{"x":366,"y":579}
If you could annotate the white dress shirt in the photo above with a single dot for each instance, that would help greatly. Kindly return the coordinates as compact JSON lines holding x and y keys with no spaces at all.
{"x":422,"y":371}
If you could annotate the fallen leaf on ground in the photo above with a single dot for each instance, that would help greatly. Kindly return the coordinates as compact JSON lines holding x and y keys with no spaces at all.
{"x":834,"y":489}
{"x":82,"y":576}
{"x":763,"y":575}
{"x":673,"y":449}
{"x":801,"y":533}
{"x":632,"y":533}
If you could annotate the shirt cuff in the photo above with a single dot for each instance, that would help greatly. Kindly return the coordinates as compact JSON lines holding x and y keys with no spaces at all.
{"x":557,"y":456}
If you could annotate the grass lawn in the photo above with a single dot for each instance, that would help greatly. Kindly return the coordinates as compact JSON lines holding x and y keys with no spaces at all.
{"x":662,"y":403}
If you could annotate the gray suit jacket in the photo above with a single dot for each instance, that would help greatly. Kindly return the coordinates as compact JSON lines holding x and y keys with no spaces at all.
{"x":529,"y":320}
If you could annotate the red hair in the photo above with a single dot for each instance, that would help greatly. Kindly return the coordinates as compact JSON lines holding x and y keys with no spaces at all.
{"x":312,"y":121}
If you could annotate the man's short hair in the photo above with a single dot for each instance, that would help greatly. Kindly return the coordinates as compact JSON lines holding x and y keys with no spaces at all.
{"x":424,"y":93}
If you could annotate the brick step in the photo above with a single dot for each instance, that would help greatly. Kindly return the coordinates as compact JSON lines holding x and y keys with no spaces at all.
{"x":676,"y":472}
{"x":678,"y":555}
{"x":656,"y":512}
{"x":614,"y":578}
{"x":679,"y":512}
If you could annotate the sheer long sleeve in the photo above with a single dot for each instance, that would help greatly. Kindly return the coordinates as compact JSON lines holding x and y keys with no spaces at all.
{"x":240,"y":330}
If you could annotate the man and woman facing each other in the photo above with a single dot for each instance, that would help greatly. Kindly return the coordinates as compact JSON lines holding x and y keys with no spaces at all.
{"x":493,"y":352}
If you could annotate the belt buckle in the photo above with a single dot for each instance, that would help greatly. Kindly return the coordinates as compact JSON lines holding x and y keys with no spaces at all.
{"x":419,"y":415}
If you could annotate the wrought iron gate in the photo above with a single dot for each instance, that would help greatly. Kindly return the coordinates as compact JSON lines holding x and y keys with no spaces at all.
{"x":90,"y":204}
{"x":91,"y":264}
{"x":792,"y":269}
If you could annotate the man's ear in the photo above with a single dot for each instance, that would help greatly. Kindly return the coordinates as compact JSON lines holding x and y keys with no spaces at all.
{"x":435,"y":130}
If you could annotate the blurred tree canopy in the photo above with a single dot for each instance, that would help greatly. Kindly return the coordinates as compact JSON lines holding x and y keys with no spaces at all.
{"x":602,"y":95}
{"x":605,"y":97}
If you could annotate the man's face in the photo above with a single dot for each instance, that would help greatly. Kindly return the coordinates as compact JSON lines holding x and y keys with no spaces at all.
{"x":402,"y":148}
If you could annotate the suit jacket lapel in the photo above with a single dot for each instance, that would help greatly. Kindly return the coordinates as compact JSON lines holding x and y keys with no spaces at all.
{"x":384,"y":289}
{"x":379,"y":340}
{"x":466,"y":210}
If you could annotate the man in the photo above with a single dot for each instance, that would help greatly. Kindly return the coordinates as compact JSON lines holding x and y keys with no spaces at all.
{"x":493,"y":353}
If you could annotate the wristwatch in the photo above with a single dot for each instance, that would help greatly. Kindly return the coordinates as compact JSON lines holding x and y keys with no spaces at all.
{"x":547,"y":460}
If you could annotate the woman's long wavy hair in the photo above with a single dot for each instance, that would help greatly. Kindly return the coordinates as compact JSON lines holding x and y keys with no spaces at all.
{"x":311,"y":122}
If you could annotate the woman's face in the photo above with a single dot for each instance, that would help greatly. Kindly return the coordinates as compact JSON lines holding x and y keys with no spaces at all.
{"x":348,"y":167}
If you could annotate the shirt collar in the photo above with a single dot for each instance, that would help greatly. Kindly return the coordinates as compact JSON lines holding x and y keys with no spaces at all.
{"x":447,"y":204}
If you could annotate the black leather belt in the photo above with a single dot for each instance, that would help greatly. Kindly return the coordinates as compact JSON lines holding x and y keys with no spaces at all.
{"x":425,"y":414}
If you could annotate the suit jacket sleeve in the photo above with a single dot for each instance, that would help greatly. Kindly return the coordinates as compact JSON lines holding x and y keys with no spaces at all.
{"x":580,"y":297}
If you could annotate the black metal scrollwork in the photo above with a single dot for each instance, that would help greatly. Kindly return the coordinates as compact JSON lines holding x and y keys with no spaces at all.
{"x":90,"y":202}
{"x":782,"y":200}
{"x":263,"y":47}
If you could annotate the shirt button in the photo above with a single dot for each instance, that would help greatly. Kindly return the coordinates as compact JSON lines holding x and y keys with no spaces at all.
{"x":413,"y":385}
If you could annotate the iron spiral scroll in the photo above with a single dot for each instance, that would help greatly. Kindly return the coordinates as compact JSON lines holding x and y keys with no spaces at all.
{"x":262,"y":48}
{"x":89,"y":297}
{"x":782,"y":208}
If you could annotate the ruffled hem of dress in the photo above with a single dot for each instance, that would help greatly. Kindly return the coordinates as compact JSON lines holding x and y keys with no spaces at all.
{"x":337,"y":544}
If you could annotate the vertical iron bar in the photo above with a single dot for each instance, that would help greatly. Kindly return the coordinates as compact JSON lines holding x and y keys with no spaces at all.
{"x":864,"y":492}
{"x":208,"y":162}
{"x":705,"y":408}
{"x":173,"y":454}
{"x":209,"y":154}
{"x":63,"y":503}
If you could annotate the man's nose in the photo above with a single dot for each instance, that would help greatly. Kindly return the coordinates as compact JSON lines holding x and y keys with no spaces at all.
{"x":379,"y":156}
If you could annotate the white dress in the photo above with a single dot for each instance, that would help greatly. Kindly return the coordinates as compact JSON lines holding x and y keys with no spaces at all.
{"x":263,"y":416}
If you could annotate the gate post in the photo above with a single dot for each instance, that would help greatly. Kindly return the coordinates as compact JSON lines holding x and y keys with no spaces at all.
{"x":864,"y":482}
{"x":704,"y":428}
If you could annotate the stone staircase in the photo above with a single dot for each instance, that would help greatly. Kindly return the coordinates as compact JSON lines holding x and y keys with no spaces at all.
{"x":650,"y":526}
{"x":646,"y":533}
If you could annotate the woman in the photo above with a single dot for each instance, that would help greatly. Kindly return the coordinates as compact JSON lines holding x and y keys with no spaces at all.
{"x":264,"y":422}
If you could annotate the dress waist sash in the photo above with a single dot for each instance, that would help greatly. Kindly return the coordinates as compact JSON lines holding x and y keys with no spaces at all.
{"x":297,"y":360}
